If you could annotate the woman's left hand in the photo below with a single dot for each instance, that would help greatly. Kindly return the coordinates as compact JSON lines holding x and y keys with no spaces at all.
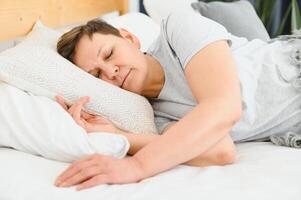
{"x":91,"y":123}
{"x":99,"y":169}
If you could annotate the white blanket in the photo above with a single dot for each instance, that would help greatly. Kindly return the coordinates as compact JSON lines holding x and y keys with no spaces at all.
{"x":262,"y":171}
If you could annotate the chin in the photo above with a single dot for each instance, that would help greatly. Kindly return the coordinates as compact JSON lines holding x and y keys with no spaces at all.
{"x":135,"y":90}
{"x":135,"y":86}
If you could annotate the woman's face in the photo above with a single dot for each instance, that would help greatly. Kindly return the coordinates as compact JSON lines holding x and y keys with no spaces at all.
{"x":113,"y":59}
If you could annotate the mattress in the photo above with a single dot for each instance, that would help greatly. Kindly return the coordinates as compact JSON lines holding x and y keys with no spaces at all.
{"x":262,"y":171}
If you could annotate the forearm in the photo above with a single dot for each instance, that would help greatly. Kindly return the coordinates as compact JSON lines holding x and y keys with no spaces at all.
{"x":193,"y":135}
{"x":219,"y":154}
{"x":137,"y":141}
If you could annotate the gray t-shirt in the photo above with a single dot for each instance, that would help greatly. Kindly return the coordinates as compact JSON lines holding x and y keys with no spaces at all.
{"x":182,"y":35}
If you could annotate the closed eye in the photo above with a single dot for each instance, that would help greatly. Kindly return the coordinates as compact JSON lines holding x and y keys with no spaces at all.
{"x":109,"y":55}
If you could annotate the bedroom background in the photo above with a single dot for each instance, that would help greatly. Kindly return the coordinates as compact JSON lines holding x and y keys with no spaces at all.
{"x":133,"y":7}
{"x":279,"y":16}
{"x":269,"y":173}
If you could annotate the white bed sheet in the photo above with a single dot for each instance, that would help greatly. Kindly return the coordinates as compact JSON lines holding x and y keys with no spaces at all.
{"x":262,"y":171}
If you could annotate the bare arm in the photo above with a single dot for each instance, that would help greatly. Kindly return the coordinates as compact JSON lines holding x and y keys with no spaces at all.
{"x":221,"y":153}
{"x":215,"y":85}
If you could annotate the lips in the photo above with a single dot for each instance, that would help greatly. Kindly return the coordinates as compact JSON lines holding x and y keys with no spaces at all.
{"x":125,"y":78}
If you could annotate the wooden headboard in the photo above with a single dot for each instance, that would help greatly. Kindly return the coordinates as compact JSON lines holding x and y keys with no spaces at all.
{"x":17,"y":17}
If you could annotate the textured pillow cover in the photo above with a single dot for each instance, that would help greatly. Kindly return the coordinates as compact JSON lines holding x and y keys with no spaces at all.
{"x":39,"y":126}
{"x":35,"y":66}
{"x":239,"y":18}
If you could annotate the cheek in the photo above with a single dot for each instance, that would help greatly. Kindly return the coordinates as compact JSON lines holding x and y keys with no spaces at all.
{"x":104,"y":78}
{"x":137,"y":81}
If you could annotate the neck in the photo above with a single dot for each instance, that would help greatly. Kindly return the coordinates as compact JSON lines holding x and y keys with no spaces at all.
{"x":155,"y":78}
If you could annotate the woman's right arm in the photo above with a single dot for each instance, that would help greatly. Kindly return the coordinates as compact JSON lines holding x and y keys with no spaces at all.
{"x":217,"y":155}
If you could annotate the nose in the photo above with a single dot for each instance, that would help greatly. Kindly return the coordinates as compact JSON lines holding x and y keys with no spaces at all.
{"x":111,"y":71}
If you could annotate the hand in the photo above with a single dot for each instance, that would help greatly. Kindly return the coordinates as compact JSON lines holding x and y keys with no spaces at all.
{"x":91,"y":123}
{"x":99,"y":169}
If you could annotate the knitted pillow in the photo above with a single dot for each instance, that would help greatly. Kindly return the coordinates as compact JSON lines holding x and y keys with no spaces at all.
{"x":35,"y":66}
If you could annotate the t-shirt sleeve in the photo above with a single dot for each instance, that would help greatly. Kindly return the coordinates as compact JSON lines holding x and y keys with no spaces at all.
{"x":189,"y":32}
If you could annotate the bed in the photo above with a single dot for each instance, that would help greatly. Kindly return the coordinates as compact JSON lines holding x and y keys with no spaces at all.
{"x":262,"y":170}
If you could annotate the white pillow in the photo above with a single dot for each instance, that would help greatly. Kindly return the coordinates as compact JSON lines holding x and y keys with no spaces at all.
{"x":135,"y":23}
{"x":35,"y":66}
{"x":38,"y":125}
{"x":139,"y":24}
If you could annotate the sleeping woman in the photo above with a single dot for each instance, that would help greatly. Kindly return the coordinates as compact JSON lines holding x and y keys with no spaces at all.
{"x":207,"y":87}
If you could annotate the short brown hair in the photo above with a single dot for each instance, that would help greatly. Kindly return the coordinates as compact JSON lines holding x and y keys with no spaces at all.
{"x":68,"y":41}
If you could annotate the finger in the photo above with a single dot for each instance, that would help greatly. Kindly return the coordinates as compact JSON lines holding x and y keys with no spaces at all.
{"x":96,"y":180}
{"x":86,"y":115}
{"x":77,"y":107}
{"x":61,"y":101}
{"x":99,"y":119}
{"x":71,"y":171}
{"x":82,"y":175}
{"x":73,"y":168}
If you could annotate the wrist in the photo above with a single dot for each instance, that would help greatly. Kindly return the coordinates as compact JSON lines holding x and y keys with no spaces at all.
{"x":139,"y":169}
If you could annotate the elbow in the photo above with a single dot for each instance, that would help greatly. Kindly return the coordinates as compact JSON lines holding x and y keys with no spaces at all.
{"x":228,"y":154}
{"x":227,"y":157}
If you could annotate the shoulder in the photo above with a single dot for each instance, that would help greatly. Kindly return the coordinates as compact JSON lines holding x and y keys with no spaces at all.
{"x":191,"y":25}
{"x":187,"y":32}
{"x":185,"y":18}
{"x":183,"y":15}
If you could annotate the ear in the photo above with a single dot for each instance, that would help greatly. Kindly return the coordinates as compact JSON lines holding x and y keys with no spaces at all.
{"x":130,"y":37}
